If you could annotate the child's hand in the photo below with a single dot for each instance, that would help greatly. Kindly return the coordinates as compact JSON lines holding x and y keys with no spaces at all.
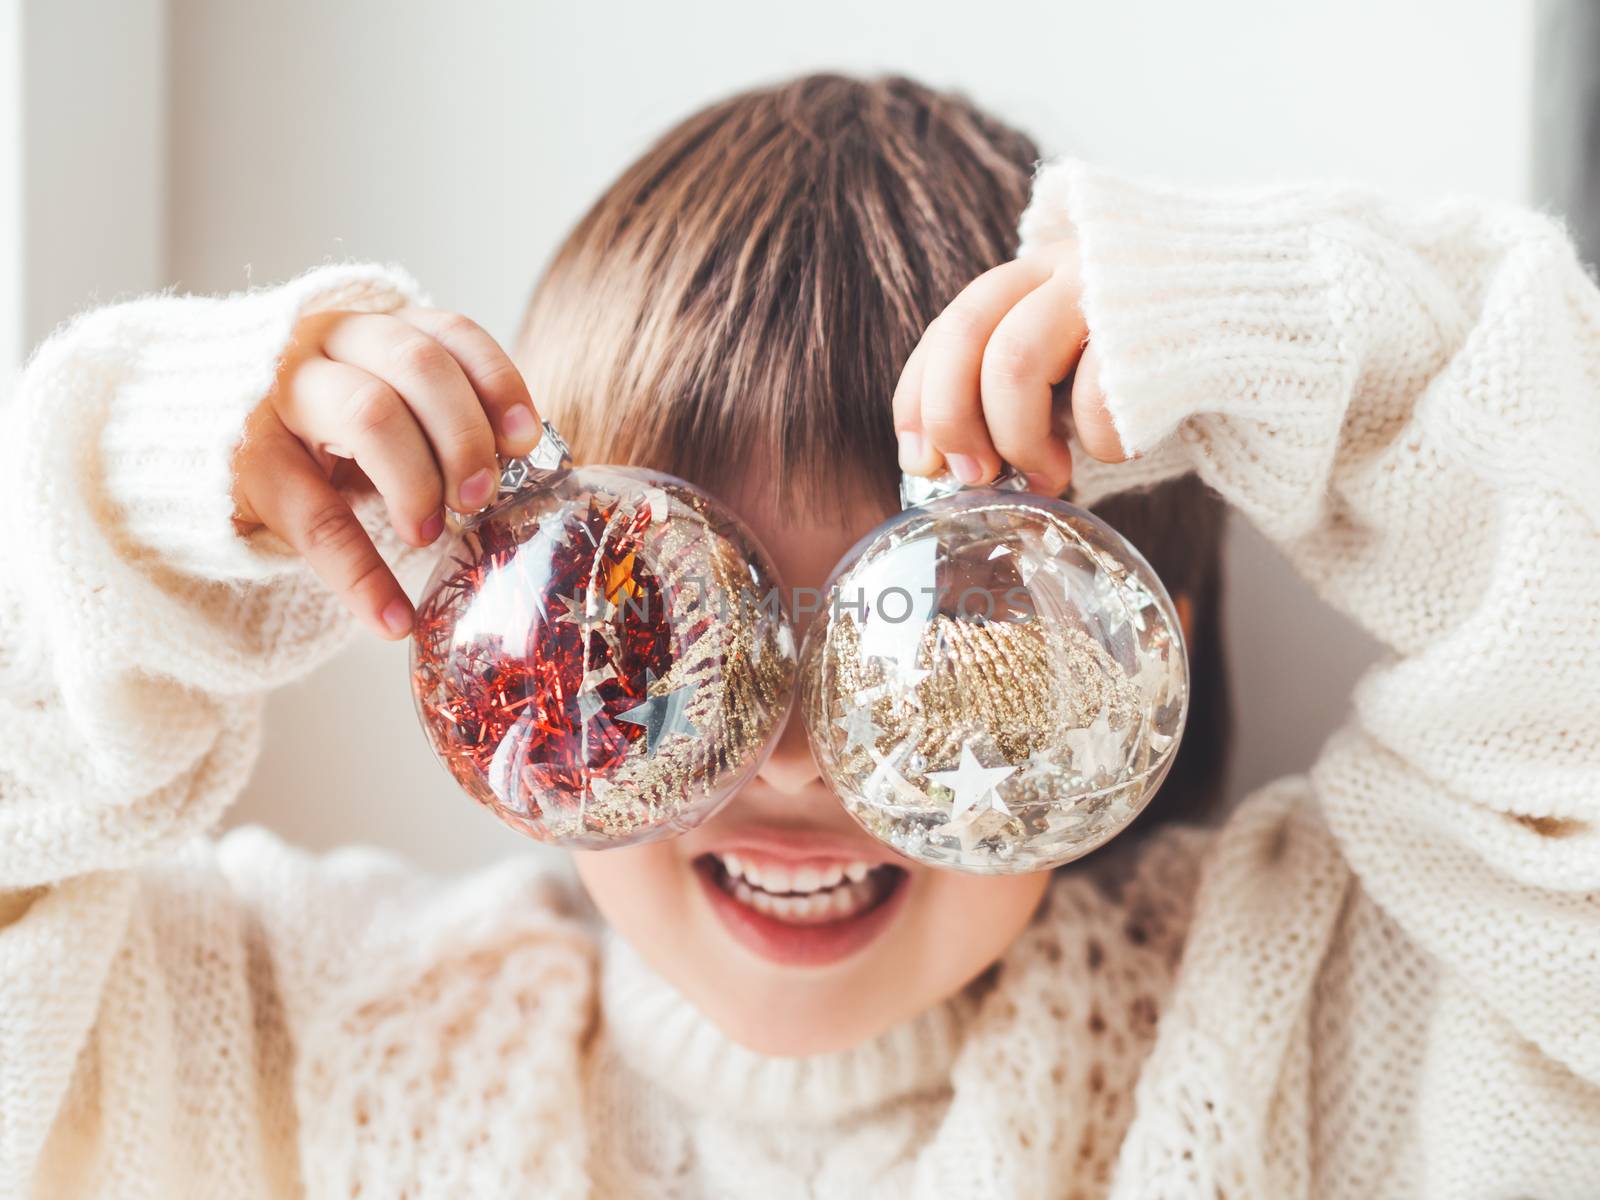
{"x":979,"y":387}
{"x":421,"y":400}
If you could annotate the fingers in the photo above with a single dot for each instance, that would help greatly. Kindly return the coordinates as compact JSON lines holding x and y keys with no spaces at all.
{"x":436,"y":391}
{"x":951,"y":413}
{"x":303,"y":508}
{"x":917,"y":453}
{"x":363,"y":418}
{"x":1032,"y":349}
{"x":489,"y":369}
{"x":979,"y":388}
{"x":1091,"y":418}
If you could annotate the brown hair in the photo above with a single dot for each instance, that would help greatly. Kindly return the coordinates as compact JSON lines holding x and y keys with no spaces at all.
{"x":748,"y":290}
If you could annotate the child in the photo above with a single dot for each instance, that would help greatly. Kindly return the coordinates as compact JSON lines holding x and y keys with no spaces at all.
{"x":1380,"y":978}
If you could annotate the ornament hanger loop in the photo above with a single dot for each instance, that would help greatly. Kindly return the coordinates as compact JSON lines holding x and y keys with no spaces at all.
{"x":919,"y":489}
{"x":548,"y":460}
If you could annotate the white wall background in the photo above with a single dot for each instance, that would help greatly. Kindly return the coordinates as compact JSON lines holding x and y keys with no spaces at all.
{"x":463,"y":139}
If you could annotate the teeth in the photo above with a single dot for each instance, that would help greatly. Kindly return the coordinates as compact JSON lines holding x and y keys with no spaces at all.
{"x":806,"y":880}
{"x":803,"y":895}
{"x":816,"y":879}
{"x":791,"y":908}
{"x":774,"y":879}
{"x":815,"y":908}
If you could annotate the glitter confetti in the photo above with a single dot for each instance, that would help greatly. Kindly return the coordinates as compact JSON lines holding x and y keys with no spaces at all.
{"x":572,"y":671}
{"x":1097,"y":749}
{"x":858,"y":728}
{"x":973,"y":785}
{"x":1022,"y":717}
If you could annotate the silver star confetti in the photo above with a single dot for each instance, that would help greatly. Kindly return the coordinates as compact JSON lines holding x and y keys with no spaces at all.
{"x":1153,"y":678}
{"x":885,"y":774}
{"x":1040,"y":763}
{"x":859,"y":729}
{"x":662,"y":716}
{"x":970,"y":829}
{"x":1097,"y":749}
{"x":973,"y":784}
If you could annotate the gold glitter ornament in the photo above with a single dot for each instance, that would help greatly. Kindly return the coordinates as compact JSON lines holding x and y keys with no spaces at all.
{"x":601,"y":657}
{"x":997,"y":681}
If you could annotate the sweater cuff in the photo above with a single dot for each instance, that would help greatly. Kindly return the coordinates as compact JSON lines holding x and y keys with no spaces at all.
{"x":1196,"y":299}
{"x":168,"y":441}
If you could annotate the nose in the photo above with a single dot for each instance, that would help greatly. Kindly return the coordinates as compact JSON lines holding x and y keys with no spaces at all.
{"x":790,"y":768}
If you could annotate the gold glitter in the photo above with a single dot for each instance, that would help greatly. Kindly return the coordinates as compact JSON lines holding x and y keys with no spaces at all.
{"x":740,"y":687}
{"x":1018,"y":684}
{"x":1090,"y":644}
{"x":739,"y":666}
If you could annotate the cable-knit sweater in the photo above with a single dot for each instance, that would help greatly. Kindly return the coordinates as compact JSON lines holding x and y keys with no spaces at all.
{"x":1380,"y":978}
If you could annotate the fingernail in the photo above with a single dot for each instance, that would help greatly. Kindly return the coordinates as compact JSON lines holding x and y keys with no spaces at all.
{"x":433,"y":527}
{"x":519,"y":423}
{"x":475,"y":491}
{"x":912,"y":448}
{"x":397,"y":617}
{"x":966,"y":468}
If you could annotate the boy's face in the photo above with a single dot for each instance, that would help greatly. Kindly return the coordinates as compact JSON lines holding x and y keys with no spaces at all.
{"x":780,"y":918}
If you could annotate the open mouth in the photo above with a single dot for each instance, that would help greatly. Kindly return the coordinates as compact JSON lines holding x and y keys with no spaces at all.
{"x":805,"y":895}
{"x":806,"y":914}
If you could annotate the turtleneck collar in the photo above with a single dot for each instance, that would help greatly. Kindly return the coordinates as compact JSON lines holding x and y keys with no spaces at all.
{"x":662,"y":1036}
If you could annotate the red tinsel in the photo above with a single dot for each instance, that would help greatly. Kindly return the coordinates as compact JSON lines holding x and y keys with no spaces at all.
{"x":520,"y":668}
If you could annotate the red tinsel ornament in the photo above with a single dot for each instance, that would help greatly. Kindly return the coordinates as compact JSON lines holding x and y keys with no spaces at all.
{"x":601,"y":657}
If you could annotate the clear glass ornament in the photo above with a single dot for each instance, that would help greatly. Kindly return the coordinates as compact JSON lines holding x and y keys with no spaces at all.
{"x":997,"y":681}
{"x":597,"y":657}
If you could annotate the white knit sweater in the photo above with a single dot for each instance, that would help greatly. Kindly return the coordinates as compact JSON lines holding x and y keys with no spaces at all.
{"x":1379,"y":979}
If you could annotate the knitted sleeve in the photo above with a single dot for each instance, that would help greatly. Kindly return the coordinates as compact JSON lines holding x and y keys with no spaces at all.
{"x":1406,"y":400}
{"x":138,"y":630}
{"x":183,"y":1015}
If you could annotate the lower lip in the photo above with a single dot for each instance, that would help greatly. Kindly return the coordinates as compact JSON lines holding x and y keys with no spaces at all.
{"x":799,"y":945}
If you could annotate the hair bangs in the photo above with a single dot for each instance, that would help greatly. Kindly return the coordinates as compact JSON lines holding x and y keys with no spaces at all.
{"x":737,"y":307}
